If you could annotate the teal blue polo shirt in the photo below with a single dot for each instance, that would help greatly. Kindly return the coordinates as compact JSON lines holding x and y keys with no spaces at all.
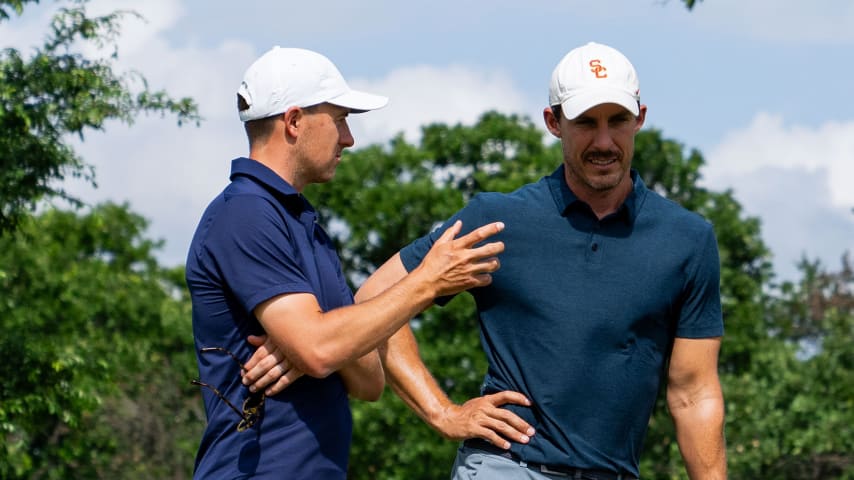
{"x":259,"y":239}
{"x":582,"y":314}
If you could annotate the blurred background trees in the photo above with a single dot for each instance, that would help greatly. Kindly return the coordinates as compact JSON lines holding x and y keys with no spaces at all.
{"x":95,"y":351}
{"x":97,"y":345}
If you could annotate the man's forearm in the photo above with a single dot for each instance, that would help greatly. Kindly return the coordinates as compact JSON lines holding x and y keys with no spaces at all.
{"x":364,"y":377}
{"x":410,"y":379}
{"x":700,"y":434}
{"x":405,"y":373}
{"x":696,"y":403}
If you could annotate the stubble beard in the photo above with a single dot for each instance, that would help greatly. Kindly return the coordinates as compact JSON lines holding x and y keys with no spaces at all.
{"x":592,"y":181}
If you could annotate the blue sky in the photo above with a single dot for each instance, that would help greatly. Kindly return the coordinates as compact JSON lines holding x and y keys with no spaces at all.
{"x":763,"y":88}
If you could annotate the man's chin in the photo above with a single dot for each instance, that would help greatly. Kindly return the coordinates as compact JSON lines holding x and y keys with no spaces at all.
{"x":603,"y":183}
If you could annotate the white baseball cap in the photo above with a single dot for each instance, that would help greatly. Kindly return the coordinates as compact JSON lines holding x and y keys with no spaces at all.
{"x":591,"y":75}
{"x":294,"y":77}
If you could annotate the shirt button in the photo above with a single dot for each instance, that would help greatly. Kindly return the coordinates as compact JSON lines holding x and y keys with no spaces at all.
{"x":594,"y":247}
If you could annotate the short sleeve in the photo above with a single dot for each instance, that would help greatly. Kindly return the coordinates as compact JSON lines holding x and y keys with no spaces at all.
{"x":254,"y":252}
{"x":700,"y":315}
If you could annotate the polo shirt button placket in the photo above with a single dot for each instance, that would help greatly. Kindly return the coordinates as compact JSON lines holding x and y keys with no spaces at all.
{"x":594,"y":239}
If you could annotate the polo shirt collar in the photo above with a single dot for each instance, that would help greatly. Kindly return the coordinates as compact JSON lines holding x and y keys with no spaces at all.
{"x":565,"y":199}
{"x":276,"y":185}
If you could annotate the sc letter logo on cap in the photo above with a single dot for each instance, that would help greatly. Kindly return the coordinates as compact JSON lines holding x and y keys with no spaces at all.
{"x":598,"y":69}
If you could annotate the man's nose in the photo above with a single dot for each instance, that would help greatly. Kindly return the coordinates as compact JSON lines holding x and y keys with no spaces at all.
{"x":602,"y":138}
{"x":346,"y":138}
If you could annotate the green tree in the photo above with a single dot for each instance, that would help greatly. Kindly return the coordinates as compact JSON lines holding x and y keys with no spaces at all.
{"x":96,"y":351}
{"x":793,"y":409}
{"x":55,"y":92}
{"x":97,"y":355}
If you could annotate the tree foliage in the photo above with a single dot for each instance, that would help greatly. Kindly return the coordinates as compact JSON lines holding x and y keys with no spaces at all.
{"x":795,"y":405}
{"x":96,"y":351}
{"x":96,"y":355}
{"x":56,"y":92}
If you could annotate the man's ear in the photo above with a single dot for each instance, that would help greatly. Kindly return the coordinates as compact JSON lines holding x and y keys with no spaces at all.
{"x":552,"y":122}
{"x":292,"y":118}
{"x":641,"y":117}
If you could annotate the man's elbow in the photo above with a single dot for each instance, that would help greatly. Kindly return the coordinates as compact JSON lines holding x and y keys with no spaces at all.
{"x":706,"y":405}
{"x":360,"y":296}
{"x":370,"y":393}
{"x":317,"y":363}
{"x":375,"y":397}
{"x":678,"y":399}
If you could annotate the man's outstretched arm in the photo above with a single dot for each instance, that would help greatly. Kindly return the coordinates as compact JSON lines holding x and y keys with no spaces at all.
{"x":318,"y":343}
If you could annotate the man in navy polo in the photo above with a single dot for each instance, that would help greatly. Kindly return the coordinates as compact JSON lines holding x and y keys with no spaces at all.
{"x":605,"y":290}
{"x":260,"y":264}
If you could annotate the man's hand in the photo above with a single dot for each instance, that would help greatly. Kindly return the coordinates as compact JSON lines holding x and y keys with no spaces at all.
{"x":456,"y":264}
{"x":268,"y":368}
{"x":481,"y":417}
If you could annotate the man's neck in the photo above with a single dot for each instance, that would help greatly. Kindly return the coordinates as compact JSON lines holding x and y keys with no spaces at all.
{"x":603,"y":202}
{"x":275,"y":161}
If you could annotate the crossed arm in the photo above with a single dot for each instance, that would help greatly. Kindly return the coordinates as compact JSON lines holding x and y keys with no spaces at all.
{"x":271,"y":370}
{"x":695,"y":401}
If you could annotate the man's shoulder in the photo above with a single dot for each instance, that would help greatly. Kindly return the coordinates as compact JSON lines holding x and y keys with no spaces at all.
{"x":235,"y":208}
{"x":660,"y":207}
{"x":530,"y":192}
{"x":237,"y":213}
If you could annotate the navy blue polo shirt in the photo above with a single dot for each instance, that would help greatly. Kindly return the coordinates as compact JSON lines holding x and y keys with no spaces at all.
{"x":582,"y":314}
{"x":256,"y":240}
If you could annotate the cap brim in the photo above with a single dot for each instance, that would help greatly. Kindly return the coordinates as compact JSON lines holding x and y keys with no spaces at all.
{"x":591,"y":97}
{"x":359,"y":102}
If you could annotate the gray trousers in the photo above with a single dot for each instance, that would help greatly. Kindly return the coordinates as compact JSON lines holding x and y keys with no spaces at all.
{"x":472,"y":463}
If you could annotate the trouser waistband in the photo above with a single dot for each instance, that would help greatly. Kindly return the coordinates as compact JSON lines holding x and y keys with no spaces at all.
{"x":559,"y":470}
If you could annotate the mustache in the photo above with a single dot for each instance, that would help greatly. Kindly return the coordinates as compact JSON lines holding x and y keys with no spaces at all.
{"x":595,"y":155}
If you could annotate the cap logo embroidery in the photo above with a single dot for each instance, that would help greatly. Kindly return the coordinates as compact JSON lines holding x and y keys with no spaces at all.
{"x":598,"y":69}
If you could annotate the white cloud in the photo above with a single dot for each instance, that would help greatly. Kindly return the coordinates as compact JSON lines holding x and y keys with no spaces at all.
{"x":769,"y":142}
{"x":167,"y":174}
{"x":797,"y":181}
{"x":425,"y":94}
{"x":27,"y":31}
{"x":157,"y":16}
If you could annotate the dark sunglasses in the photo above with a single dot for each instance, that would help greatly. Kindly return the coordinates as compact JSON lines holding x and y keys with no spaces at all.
{"x":253,"y":406}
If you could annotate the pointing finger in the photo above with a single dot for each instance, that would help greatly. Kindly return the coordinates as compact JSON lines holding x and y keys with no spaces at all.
{"x":480,"y":234}
{"x":451,"y":232}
